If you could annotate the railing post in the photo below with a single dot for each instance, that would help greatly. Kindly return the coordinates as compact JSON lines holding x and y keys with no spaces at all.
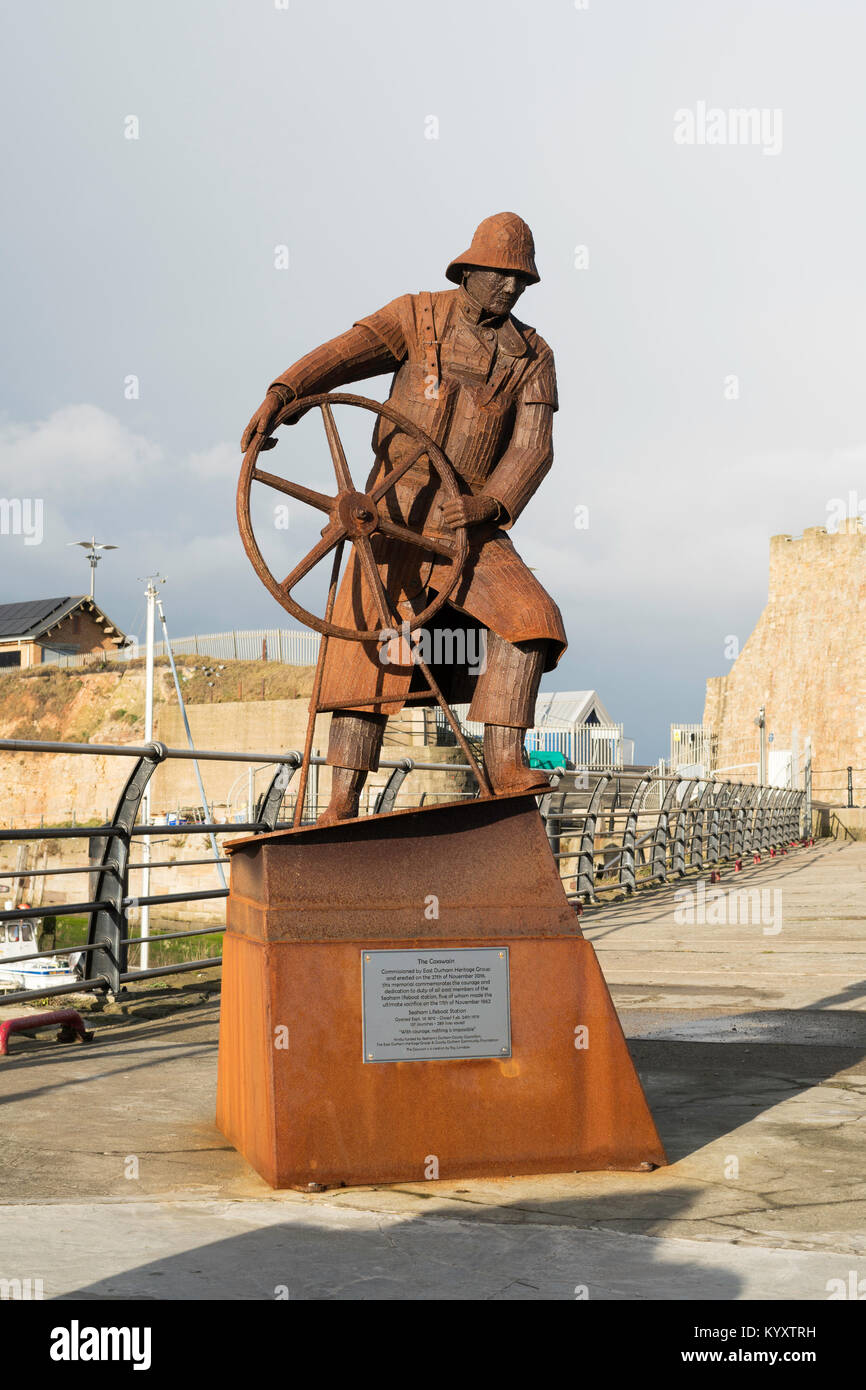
{"x":850,"y":786}
{"x":586,"y":856}
{"x":797,"y":815}
{"x":720,"y":801}
{"x":771,"y":806}
{"x":550,"y":808}
{"x":678,"y":856}
{"x":753,"y":838}
{"x":696,"y":847}
{"x":761,"y":822}
{"x":109,"y":924}
{"x":772,"y":811}
{"x":729,"y":810}
{"x":784,"y":815}
{"x":742,"y":833}
{"x":268,"y":808}
{"x":659,"y":863}
{"x":627,"y":870}
{"x":388,"y":795}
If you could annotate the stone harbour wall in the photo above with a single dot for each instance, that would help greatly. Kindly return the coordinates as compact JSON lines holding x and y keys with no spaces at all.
{"x":805,"y":662}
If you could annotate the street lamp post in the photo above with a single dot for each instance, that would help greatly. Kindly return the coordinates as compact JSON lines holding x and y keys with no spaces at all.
{"x":93,"y":546}
{"x":761,"y":722}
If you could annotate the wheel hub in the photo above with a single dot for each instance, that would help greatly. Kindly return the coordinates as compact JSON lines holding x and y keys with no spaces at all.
{"x":358,"y":513}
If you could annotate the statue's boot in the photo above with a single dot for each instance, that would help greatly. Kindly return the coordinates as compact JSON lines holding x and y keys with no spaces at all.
{"x":504,"y":701}
{"x":353,"y":750}
{"x":506,"y":764}
{"x":347,"y":783}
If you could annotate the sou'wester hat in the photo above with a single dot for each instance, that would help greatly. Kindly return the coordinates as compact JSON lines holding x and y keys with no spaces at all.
{"x":501,"y":242}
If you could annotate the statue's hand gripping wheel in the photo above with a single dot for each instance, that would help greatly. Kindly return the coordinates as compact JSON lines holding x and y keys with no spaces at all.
{"x":355,"y":516}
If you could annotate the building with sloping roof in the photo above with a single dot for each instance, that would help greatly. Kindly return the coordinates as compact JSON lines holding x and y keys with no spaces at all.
{"x":570,"y":707}
{"x":574,"y":723}
{"x":578,"y":725}
{"x":38,"y":629}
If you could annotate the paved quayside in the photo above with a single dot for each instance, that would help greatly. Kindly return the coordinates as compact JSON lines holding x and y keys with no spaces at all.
{"x":749,"y":1042}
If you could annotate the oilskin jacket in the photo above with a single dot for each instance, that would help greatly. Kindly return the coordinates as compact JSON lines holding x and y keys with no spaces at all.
{"x":485,"y":391}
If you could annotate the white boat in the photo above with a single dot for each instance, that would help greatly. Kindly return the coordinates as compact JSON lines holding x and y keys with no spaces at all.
{"x":18,"y":938}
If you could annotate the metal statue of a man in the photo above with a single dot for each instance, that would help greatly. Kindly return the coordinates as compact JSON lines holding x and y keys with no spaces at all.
{"x":482,"y":385}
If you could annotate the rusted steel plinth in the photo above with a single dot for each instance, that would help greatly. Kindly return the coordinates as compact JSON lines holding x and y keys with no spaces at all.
{"x":295,"y":1095}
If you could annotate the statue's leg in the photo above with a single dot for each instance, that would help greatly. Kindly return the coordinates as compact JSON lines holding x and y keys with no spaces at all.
{"x":353,"y":750}
{"x":504,"y":701}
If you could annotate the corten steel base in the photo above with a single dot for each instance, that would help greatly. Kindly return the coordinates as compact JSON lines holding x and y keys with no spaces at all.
{"x":294,"y":1094}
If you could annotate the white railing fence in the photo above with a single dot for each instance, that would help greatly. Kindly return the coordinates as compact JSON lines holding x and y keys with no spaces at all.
{"x":596,"y":746}
{"x":294,"y":646}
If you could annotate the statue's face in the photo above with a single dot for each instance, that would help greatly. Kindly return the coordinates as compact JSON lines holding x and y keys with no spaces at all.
{"x":497,"y":291}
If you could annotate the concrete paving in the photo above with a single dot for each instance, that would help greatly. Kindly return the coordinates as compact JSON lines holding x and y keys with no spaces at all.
{"x":115,"y":1182}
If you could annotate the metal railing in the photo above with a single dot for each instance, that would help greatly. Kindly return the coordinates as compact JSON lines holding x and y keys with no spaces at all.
{"x":294,"y":646}
{"x":652,"y":828}
{"x":693,"y":743}
{"x":841,"y":784}
{"x":632,"y":830}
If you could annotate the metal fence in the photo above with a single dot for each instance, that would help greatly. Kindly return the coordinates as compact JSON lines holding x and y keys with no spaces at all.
{"x":595,"y":746}
{"x":693,"y":743}
{"x":651,"y":828}
{"x":629,"y":831}
{"x":844,"y":786}
{"x":294,"y":646}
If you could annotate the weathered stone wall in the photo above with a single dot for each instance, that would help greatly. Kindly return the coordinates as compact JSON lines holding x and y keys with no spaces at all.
{"x":805,"y":662}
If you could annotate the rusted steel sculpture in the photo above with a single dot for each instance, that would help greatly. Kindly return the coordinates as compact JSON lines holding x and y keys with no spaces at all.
{"x":376,"y":1081}
{"x":460,"y":447}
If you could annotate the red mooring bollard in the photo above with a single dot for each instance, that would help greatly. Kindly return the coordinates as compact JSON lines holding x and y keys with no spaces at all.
{"x":72,"y":1027}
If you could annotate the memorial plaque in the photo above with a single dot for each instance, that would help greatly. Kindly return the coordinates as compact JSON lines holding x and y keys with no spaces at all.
{"x":421,"y":1006}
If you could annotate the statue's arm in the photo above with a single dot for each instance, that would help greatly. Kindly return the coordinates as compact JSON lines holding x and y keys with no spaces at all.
{"x":352,"y":356}
{"x":370,"y":347}
{"x":527,"y":458}
{"x":525,"y":463}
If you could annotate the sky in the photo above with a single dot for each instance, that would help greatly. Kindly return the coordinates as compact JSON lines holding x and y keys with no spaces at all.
{"x":702,"y":287}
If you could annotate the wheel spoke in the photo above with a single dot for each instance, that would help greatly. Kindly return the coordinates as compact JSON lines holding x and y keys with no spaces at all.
{"x":402,"y":533}
{"x":331,"y":536}
{"x":396,"y":474}
{"x":297,"y":490}
{"x":368,"y":563}
{"x":335,"y":444}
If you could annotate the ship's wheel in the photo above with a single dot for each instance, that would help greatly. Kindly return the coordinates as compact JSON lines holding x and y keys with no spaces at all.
{"x":355,"y":516}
